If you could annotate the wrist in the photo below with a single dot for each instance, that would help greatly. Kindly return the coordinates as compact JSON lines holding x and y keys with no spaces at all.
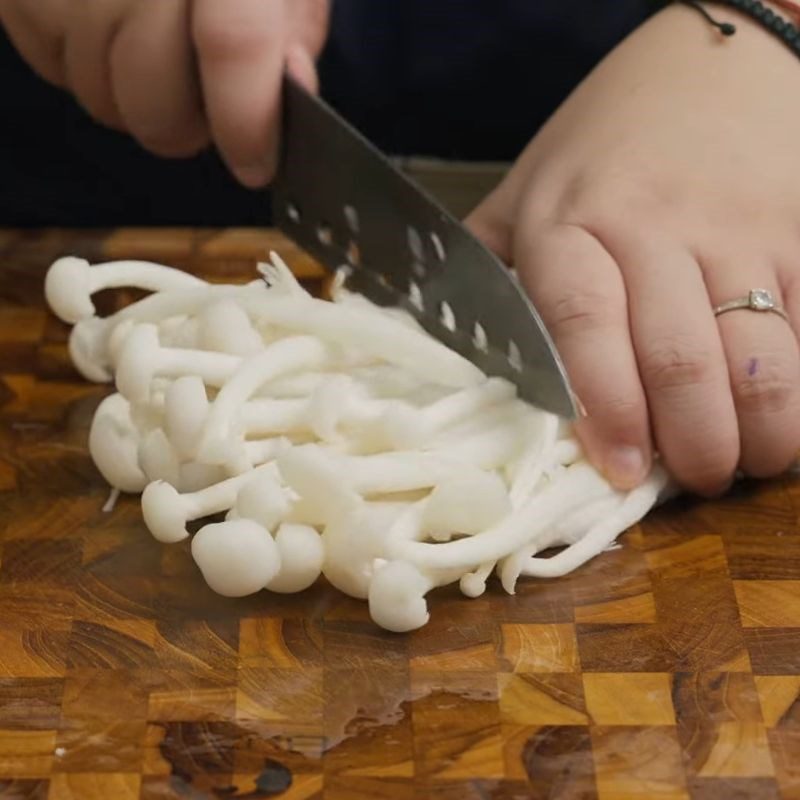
{"x":778,"y":19}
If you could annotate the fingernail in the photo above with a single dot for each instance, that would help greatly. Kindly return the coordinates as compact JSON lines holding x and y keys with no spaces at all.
{"x":253,"y":176}
{"x":300,"y":65}
{"x":626,"y":467}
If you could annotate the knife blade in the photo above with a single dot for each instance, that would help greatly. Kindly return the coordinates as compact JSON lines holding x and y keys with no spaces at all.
{"x":340,"y":199}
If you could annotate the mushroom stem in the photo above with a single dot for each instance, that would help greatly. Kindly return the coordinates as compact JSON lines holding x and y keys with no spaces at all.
{"x":294,"y":354}
{"x":143,"y":358}
{"x":519,"y":528}
{"x":166,"y":511}
{"x":71,"y":282}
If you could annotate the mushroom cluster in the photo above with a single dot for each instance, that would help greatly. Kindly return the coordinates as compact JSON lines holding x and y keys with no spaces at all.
{"x":337,"y":437}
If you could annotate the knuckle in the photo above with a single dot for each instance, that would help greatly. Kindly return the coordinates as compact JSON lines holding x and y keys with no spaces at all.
{"x":611,"y":195}
{"x":672,"y":364}
{"x":768,"y":389}
{"x":581,"y":310}
{"x":174,"y":144}
{"x":229,"y":37}
{"x":707,"y":470}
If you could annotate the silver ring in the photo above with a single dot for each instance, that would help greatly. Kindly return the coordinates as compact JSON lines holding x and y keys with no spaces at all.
{"x":756,"y":300}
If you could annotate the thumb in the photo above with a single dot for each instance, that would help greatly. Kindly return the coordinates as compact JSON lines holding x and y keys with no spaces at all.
{"x":492,"y":221}
{"x":308,"y":30}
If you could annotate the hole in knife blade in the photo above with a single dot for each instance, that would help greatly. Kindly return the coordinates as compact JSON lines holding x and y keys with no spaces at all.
{"x":415,"y":244}
{"x":418,"y":269}
{"x":325,"y":234}
{"x":438,"y":246}
{"x":340,"y":278}
{"x":415,"y":296}
{"x":447,"y":315}
{"x":479,"y":338}
{"x":514,"y":356}
{"x":354,"y":253}
{"x":293,"y":212}
{"x":351,"y":218}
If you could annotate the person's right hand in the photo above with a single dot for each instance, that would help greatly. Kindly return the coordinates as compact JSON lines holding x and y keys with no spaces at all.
{"x":177,"y":74}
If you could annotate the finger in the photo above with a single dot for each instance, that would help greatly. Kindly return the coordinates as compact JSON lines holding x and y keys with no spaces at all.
{"x":578,"y":290}
{"x":494,"y":219}
{"x":86,"y":57}
{"x":37,"y":39}
{"x":240,"y":46}
{"x":155,"y":84}
{"x":300,"y":65}
{"x":681,"y":362}
{"x":764,"y":368}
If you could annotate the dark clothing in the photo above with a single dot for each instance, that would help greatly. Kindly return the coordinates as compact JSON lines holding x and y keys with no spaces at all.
{"x":465,"y":79}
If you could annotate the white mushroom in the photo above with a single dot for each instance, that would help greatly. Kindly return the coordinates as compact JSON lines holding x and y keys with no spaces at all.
{"x":143,"y":358}
{"x":341,"y":417}
{"x":236,"y":557}
{"x":325,"y":494}
{"x":380,"y":337}
{"x":158,"y":458}
{"x":468,"y":503}
{"x":473,"y":584}
{"x":412,"y":428}
{"x":91,"y":340}
{"x":632,"y":508}
{"x":225,"y":328}
{"x":353,"y":542}
{"x":302,"y":555}
{"x":514,"y":532}
{"x":166,"y":511}
{"x":397,"y":597}
{"x":185,"y":410}
{"x":70,"y":283}
{"x":294,"y":354}
{"x":114,"y":443}
{"x":264,"y":500}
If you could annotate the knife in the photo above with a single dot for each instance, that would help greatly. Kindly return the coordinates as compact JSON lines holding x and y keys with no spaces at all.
{"x":340,"y":199}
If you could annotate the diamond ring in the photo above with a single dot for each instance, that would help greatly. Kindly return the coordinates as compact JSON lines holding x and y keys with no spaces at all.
{"x":756,"y":300}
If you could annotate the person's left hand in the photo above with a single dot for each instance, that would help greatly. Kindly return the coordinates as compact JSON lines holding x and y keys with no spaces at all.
{"x":665,"y":186}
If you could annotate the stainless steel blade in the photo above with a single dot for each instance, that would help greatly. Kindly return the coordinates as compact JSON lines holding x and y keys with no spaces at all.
{"x":341,"y":199}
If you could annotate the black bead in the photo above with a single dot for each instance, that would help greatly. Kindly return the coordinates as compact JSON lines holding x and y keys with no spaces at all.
{"x":790,"y":34}
{"x":747,"y":5}
{"x":779,"y":25}
{"x":768,"y":16}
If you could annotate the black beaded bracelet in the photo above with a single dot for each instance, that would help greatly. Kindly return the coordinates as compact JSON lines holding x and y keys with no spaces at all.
{"x":788,"y":33}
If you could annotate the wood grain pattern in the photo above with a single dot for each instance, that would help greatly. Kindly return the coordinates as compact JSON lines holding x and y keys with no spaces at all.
{"x":666,"y":669}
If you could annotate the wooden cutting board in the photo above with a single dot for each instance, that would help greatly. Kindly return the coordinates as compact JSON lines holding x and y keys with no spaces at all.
{"x":669,"y":668}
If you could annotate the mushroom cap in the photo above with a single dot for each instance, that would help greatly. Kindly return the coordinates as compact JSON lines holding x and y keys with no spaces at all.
{"x":67,"y":288}
{"x":164,"y":513}
{"x":302,"y":554}
{"x":113,"y":445}
{"x":195,"y":476}
{"x":397,"y":597}
{"x":237,"y":557}
{"x":321,"y":486}
{"x":264,"y":500}
{"x":157,"y":458}
{"x":116,"y":338}
{"x":352,"y":543}
{"x":87,"y":349}
{"x":225,"y":328}
{"x":137,"y":363}
{"x":185,"y":412}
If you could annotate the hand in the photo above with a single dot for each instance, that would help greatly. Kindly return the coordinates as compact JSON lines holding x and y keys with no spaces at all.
{"x":662,"y":188}
{"x":177,"y":74}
